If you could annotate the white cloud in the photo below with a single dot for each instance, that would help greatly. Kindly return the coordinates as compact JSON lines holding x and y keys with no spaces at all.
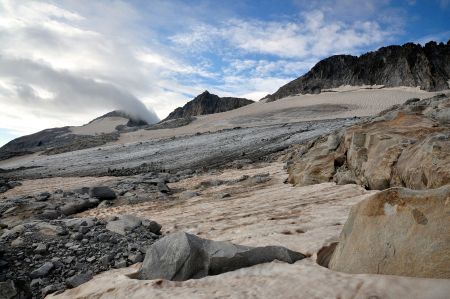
{"x":65,"y":62}
{"x":313,"y":36}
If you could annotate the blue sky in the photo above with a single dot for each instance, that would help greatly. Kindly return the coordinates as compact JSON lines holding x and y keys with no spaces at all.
{"x":66,"y":62}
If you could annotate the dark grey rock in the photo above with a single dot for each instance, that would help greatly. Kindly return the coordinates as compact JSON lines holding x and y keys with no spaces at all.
{"x":120,"y":264}
{"x":163,"y":188}
{"x":50,"y":214}
{"x":102,"y":193}
{"x":183,"y":256}
{"x":136,"y":257}
{"x":105,"y":260}
{"x":152,"y":226}
{"x":35,"y":282}
{"x":41,"y":248}
{"x":78,"y":279}
{"x":76,"y":236}
{"x":103,"y":237}
{"x":42,"y":271}
{"x":43,"y":196}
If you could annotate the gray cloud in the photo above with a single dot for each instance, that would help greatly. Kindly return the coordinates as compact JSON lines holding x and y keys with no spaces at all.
{"x":66,"y":90}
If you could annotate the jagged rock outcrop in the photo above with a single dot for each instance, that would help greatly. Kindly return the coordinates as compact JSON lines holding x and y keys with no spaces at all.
{"x":207,"y":103}
{"x":397,"y":232}
{"x":183,"y":256}
{"x":407,"y":65}
{"x":407,"y":146}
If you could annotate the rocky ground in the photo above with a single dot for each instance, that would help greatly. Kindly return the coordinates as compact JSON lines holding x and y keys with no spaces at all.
{"x":215,"y":214}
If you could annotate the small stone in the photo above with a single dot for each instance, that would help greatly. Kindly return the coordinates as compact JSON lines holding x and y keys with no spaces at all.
{"x":120,"y":264}
{"x":43,"y":196}
{"x":90,"y":259}
{"x":152,"y":226}
{"x":223,"y":195}
{"x":136,"y":257}
{"x":83,"y":229}
{"x":103,"y":237}
{"x":41,"y":248}
{"x":76,"y":236}
{"x":105,"y":260}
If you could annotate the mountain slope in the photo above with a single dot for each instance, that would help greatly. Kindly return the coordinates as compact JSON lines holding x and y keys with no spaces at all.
{"x":409,"y":65}
{"x":97,"y":132}
{"x":207,"y":103}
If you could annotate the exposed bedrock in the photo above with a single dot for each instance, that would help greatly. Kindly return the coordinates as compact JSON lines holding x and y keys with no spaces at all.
{"x":407,"y":146}
{"x":183,"y":256}
{"x":397,"y":232}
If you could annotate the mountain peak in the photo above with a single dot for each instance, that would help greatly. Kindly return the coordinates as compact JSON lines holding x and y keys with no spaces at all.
{"x":207,"y":103}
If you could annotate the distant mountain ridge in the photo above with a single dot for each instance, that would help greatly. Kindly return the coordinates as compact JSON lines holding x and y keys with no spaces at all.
{"x":132,"y":120}
{"x":207,"y":103}
{"x":409,"y":65}
{"x":57,"y":140}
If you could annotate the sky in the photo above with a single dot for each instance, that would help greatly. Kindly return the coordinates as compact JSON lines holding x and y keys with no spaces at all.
{"x":66,"y":62}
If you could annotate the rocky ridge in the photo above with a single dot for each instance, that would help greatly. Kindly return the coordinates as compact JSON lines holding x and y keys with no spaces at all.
{"x":408,"y":65}
{"x":405,"y":146}
{"x":207,"y":103}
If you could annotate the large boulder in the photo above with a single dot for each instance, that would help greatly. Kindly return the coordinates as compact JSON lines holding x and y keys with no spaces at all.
{"x":397,"y":232}
{"x":183,"y":256}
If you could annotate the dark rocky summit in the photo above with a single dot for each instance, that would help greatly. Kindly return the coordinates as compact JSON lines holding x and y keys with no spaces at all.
{"x":409,"y":65}
{"x":207,"y":103}
{"x":183,"y":256}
